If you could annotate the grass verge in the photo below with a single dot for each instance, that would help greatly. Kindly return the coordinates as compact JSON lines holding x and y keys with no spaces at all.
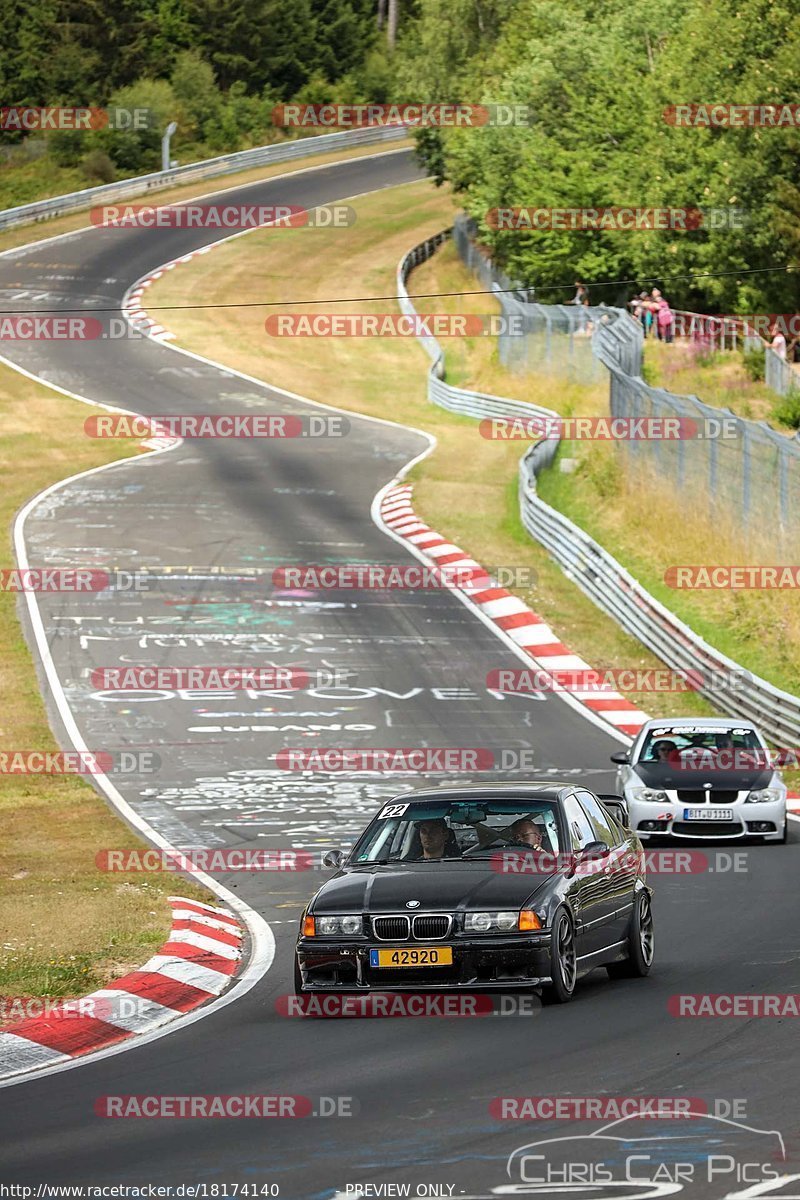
{"x":67,"y":927}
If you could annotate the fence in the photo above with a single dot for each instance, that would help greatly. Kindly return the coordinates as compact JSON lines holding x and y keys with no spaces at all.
{"x":209,"y":168}
{"x":617,"y":593}
{"x":556,"y":337}
{"x":745,"y":469}
{"x":778,"y":374}
{"x":583,"y":560}
{"x":446,"y":395}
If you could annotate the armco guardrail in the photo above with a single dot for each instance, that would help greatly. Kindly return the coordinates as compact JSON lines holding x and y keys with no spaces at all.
{"x":455,"y":399}
{"x":209,"y":168}
{"x":593,"y":569}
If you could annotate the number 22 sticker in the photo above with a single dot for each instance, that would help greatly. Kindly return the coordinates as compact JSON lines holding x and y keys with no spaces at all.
{"x":392,"y":810}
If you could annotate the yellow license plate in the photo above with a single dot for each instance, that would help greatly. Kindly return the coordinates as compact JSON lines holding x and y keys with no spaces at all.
{"x":403,"y":956}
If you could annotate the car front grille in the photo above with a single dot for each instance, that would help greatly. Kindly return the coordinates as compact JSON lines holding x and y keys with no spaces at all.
{"x":706,"y":797}
{"x":429,"y":927}
{"x":422,"y":927}
{"x":388,"y":929}
{"x":700,"y":829}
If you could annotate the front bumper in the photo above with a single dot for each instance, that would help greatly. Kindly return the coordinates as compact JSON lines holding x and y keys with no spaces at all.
{"x":650,"y":819}
{"x":485,"y":963}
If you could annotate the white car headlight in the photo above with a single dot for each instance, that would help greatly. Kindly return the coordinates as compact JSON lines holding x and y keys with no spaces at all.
{"x":337,"y":926}
{"x":491,"y":922}
{"x":650,"y":794}
{"x":764,"y":796}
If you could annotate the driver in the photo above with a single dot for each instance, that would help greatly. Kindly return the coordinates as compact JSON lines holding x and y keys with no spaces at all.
{"x":436,"y":839}
{"x":525,"y":830}
{"x":664,"y":751}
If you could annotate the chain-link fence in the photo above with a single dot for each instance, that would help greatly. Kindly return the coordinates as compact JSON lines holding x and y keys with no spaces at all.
{"x":555,"y":338}
{"x":744,"y":469}
{"x":779,"y":374}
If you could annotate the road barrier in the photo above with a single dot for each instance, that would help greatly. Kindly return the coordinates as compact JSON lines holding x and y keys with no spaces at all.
{"x":209,"y":168}
{"x":596,"y":572}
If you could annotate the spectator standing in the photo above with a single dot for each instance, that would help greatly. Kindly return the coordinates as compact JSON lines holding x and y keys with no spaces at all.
{"x":778,"y":343}
{"x":665,"y":320}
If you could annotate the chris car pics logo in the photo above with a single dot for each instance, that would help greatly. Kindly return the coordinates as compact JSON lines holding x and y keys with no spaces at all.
{"x":662,"y":1155}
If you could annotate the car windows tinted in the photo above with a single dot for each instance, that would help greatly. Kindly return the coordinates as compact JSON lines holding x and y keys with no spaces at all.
{"x":580,"y":828}
{"x":601,"y":824}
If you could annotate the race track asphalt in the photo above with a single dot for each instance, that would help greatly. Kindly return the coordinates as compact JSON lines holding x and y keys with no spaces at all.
{"x":418,"y":664}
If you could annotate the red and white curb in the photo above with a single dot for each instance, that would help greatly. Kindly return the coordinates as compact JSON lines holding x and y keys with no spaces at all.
{"x":196,"y":965}
{"x":133,"y":304}
{"x":508,"y":612}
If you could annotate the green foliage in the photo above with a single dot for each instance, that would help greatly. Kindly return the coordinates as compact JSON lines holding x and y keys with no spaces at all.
{"x":787,"y":409}
{"x":597,"y":79}
{"x":753,"y":363}
{"x":98,"y":167}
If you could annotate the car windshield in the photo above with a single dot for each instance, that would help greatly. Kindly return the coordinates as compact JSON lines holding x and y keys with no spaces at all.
{"x":737,"y":747}
{"x":447,"y":831}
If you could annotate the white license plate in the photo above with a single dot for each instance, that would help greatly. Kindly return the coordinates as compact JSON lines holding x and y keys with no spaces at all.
{"x":708,"y":813}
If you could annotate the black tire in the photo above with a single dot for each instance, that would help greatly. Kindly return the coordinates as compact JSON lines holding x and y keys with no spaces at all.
{"x":640,"y":943}
{"x":563,"y":960}
{"x":785,"y":837}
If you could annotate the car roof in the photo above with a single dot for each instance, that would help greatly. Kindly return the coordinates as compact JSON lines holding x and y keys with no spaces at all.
{"x":530,"y":790}
{"x":698,"y":722}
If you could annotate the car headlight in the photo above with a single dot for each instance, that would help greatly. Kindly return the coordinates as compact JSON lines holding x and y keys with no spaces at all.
{"x":764,"y":796}
{"x":346,"y":926}
{"x":650,"y":794}
{"x":491,"y":922}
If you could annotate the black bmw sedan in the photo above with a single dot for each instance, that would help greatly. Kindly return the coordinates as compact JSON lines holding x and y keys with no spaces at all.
{"x":486,"y":887}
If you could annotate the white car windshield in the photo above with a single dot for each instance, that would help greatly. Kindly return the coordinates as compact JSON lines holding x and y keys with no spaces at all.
{"x":734,"y":748}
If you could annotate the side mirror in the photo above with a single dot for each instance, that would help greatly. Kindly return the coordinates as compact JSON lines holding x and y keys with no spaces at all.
{"x":595,"y":850}
{"x":333,"y":858}
{"x":621,"y":756}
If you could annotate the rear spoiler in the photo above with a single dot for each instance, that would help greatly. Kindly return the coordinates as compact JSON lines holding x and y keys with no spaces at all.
{"x":615,"y":805}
